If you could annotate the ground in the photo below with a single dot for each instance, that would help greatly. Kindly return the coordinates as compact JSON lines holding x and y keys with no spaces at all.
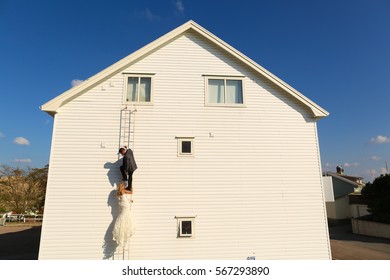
{"x":348,"y":246}
{"x":21,"y":242}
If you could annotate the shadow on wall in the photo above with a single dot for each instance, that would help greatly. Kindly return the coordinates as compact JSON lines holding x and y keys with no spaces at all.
{"x":114,"y":176}
{"x":113,"y":173}
{"x":109,"y":245}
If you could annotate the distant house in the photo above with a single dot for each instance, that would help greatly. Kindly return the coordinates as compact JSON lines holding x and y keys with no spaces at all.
{"x":227,"y":154}
{"x":338,"y":189}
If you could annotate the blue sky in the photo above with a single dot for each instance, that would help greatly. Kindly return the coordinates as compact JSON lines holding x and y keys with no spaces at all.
{"x":336,"y":52}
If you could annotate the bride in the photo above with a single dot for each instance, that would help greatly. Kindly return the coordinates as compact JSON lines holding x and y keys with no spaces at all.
{"x":123,"y":227}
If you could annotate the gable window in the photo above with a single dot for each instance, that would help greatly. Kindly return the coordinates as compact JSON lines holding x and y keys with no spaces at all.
{"x":138,"y":89}
{"x":185,"y":146}
{"x":224,"y":91}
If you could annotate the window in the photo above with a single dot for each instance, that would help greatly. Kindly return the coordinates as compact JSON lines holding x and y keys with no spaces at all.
{"x":185,"y":226}
{"x":138,"y":89}
{"x":185,"y":146}
{"x":224,"y":91}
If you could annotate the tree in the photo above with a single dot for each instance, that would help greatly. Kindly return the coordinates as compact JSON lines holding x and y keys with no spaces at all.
{"x":377,"y":195}
{"x":22,"y":190}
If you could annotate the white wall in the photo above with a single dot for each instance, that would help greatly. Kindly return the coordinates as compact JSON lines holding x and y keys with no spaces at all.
{"x":358,"y":210}
{"x":331,"y":210}
{"x":255,"y":185}
{"x":338,"y":209}
{"x":328,"y":188}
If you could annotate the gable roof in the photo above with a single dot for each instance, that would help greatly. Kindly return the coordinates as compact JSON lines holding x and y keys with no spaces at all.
{"x":347,"y":179}
{"x":53,"y":105}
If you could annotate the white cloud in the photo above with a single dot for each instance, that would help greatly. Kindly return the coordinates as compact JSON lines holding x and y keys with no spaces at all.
{"x":380,"y":139}
{"x":23,"y":160}
{"x":375,"y":158}
{"x":344,"y":165}
{"x":371,"y":173}
{"x":76,"y":82}
{"x":21,"y":141}
{"x":179,"y":7}
{"x":1,"y":135}
{"x":383,"y":170}
{"x":148,"y":14}
{"x":347,"y":164}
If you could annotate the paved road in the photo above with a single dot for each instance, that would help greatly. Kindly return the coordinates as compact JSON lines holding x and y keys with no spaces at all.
{"x":348,"y":246}
{"x":19,"y":242}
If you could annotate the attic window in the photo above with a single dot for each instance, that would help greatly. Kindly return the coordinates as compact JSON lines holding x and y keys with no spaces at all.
{"x":224,"y":91}
{"x":138,"y":89}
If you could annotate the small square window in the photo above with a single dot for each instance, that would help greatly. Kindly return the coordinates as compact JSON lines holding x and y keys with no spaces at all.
{"x":186,"y":227}
{"x":185,"y":146}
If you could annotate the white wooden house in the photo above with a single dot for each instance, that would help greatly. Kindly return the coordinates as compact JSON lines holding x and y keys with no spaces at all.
{"x":227,"y":153}
{"x":343,"y":196}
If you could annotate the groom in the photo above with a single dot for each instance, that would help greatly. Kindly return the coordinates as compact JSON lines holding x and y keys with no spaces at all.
{"x":128,"y":167}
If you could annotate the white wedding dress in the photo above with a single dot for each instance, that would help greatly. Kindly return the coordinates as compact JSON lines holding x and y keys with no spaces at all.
{"x":123,"y":227}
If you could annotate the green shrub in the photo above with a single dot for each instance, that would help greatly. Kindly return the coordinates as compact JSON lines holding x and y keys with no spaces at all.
{"x":377,"y":195}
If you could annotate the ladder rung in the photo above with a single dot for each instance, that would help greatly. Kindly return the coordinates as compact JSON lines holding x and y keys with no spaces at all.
{"x":127,"y":123}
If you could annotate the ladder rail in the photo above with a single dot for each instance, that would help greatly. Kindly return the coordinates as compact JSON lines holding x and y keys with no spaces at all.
{"x":127,"y":128}
{"x":126,"y":138}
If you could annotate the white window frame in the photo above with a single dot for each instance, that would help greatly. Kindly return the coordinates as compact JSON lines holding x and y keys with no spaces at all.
{"x":224,"y":78}
{"x":180,"y":141}
{"x":180,"y":220}
{"x":139,"y":76}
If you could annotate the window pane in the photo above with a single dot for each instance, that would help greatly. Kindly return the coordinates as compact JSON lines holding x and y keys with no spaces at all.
{"x":216,"y":91}
{"x":186,"y":147}
{"x":132,"y":84}
{"x":186,"y":227}
{"x":144,"y":91}
{"x":234,"y":91}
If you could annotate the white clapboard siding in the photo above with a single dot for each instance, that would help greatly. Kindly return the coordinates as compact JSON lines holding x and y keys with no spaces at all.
{"x":254,"y":183}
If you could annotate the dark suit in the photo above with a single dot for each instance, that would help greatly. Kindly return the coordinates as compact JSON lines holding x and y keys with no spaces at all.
{"x":128,"y":167}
